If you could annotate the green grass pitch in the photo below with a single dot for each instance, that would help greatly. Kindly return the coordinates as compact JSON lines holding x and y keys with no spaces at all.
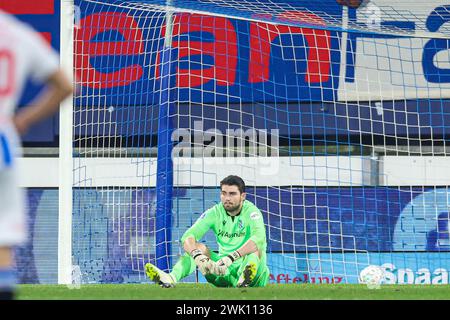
{"x":187,"y":291}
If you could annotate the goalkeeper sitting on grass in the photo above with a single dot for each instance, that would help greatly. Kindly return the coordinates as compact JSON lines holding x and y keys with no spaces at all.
{"x":240,"y":233}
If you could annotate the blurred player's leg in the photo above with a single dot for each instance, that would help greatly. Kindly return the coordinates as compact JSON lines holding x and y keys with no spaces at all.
{"x":27,"y":56}
{"x":7,"y":274}
{"x":12,"y":229}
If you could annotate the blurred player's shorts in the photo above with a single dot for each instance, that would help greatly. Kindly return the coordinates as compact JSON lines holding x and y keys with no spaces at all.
{"x":13,"y":228}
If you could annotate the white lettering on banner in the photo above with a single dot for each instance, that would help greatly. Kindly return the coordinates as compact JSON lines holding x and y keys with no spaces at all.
{"x":408,"y":276}
{"x":390,"y":67}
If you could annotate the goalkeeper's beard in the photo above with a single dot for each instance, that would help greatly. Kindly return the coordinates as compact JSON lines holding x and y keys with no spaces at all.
{"x":232,"y":209}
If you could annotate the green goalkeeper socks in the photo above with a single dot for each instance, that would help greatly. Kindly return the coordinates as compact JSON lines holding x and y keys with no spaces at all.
{"x":184,"y":267}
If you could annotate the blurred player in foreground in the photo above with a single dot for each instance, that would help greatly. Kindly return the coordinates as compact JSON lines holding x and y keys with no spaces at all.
{"x":239,"y":228}
{"x":23,"y":54}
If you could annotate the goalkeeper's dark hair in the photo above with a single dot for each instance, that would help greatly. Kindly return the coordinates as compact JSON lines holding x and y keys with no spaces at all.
{"x":233,"y":181}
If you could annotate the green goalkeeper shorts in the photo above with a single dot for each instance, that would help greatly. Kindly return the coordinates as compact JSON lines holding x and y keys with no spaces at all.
{"x":231,"y":278}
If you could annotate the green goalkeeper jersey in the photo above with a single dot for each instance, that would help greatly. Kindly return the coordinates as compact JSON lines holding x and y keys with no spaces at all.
{"x":231,"y":232}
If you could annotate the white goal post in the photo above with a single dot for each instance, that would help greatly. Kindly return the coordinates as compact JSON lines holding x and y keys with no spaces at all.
{"x":66,"y":149}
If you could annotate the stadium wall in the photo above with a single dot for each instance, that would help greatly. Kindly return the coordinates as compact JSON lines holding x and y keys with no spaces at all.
{"x":371,"y":218}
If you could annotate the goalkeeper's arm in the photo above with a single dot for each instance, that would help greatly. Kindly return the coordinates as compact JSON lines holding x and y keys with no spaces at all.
{"x":198,"y":252}
{"x":196,"y":232}
{"x":190,"y":244}
{"x":248,"y":248}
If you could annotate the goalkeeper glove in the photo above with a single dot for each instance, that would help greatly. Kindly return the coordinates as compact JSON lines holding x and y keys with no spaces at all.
{"x":202,"y":261}
{"x":222,"y":265}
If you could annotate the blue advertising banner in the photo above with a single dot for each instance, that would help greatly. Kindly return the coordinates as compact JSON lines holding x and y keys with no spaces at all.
{"x":228,"y":60}
{"x":400,"y":268}
{"x":256,"y":75}
{"x":252,"y":74}
{"x":314,"y":234}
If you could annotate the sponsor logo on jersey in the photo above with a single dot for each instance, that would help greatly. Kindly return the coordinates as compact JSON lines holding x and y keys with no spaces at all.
{"x":255,"y":215}
{"x":225,"y":234}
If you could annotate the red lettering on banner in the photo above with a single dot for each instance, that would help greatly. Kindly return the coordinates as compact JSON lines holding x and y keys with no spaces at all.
{"x":28,"y":6}
{"x":285,"y":278}
{"x":7,"y":66}
{"x":337,"y":279}
{"x":223,"y":50}
{"x":85,"y":49}
{"x":319,"y":43}
{"x":279,"y":277}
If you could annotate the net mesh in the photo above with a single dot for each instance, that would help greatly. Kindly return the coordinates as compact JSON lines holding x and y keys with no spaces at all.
{"x":335,"y":119}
